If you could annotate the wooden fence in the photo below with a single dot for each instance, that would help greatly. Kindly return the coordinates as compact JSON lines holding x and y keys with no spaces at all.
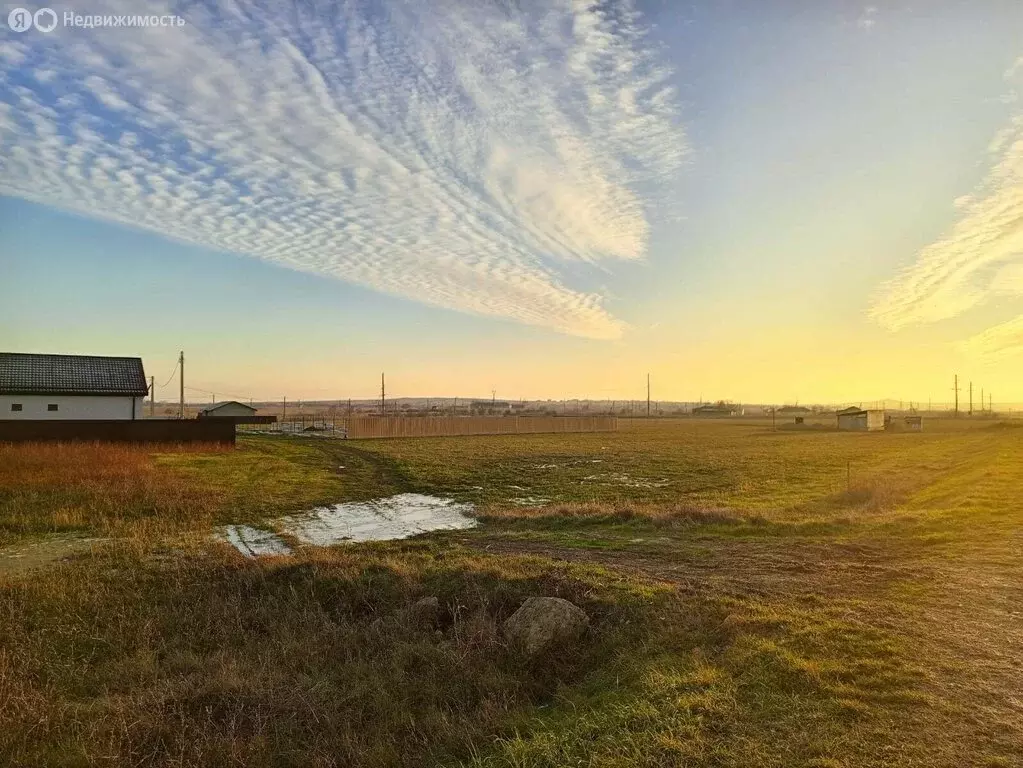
{"x":137,"y":431}
{"x":364,"y":427}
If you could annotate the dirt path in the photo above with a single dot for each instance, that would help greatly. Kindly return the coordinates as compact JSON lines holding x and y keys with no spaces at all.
{"x":18,"y":559}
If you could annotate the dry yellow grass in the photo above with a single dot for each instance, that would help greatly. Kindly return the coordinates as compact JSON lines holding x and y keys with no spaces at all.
{"x":755,"y":610}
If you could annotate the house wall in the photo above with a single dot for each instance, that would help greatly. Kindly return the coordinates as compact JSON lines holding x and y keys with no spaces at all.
{"x":71,"y":407}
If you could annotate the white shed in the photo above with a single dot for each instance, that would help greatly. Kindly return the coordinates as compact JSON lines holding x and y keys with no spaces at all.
{"x":71,"y":387}
{"x":226,"y":409}
{"x":861,"y":420}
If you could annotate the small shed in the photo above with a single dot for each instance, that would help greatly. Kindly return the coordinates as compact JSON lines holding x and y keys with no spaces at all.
{"x":860,"y":420}
{"x":232,"y":410}
{"x":915,"y":423}
{"x":226,"y":408}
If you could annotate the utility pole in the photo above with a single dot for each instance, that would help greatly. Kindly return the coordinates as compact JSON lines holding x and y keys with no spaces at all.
{"x":648,"y":395}
{"x":152,"y":396}
{"x":382,"y":397}
{"x":955,"y":388}
{"x":181,"y":365}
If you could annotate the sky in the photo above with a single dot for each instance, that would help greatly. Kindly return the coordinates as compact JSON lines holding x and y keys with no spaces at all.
{"x":755,"y":201}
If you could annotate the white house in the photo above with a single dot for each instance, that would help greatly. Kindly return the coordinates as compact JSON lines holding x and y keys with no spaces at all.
{"x":69,"y":387}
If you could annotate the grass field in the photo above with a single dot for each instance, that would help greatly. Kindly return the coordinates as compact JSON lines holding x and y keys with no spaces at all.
{"x":758,"y":598}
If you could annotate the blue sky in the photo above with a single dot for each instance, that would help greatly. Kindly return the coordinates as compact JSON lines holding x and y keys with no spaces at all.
{"x":546,"y":199}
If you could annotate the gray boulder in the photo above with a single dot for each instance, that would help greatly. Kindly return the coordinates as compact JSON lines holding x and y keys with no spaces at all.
{"x":424,"y":613}
{"x":545,"y":624}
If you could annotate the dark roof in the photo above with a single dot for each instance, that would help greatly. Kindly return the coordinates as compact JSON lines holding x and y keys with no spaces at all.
{"x":25,"y":374}
{"x":209,"y":408}
{"x":850,"y":410}
{"x":794,"y":409}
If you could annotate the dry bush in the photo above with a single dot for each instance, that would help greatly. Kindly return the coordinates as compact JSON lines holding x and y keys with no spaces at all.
{"x":875,"y":494}
{"x":51,"y":487}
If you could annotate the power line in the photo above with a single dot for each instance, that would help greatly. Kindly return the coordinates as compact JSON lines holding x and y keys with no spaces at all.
{"x":169,"y":378}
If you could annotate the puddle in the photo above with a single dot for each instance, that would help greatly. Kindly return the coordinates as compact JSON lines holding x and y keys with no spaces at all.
{"x":27,"y":555}
{"x":396,"y":517}
{"x":572,"y":463}
{"x":530,"y":501}
{"x":621,"y":478}
{"x":253,"y":542}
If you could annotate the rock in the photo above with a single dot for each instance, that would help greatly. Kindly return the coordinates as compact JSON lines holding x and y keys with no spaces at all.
{"x":424,"y":613}
{"x":544,"y":624}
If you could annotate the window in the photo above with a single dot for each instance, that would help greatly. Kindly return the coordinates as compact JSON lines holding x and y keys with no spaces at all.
{"x":15,"y":406}
{"x":51,"y":407}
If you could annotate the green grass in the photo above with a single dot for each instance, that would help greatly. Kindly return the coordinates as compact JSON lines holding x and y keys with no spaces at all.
{"x":751,"y":606}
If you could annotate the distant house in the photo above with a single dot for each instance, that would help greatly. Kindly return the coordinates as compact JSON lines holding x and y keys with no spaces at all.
{"x":489,"y":407}
{"x":850,"y":409}
{"x":232,"y":410}
{"x":794,"y":410}
{"x":717,"y":410}
{"x":861,"y":420}
{"x":71,"y":387}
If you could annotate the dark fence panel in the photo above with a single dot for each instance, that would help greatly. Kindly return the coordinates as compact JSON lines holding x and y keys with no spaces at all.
{"x":139,"y":431}
{"x":241,"y":419}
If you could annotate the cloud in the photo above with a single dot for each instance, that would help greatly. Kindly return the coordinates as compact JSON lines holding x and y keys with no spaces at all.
{"x":475,"y":156}
{"x":999,"y":341}
{"x":980,"y":258}
{"x":868,"y":18}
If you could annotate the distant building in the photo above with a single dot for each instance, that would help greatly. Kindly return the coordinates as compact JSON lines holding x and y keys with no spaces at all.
{"x":71,"y":387}
{"x":232,"y":410}
{"x":915,"y":423}
{"x":717,"y":410}
{"x":226,"y":408}
{"x":794,"y":410}
{"x":489,"y":406}
{"x":861,"y":420}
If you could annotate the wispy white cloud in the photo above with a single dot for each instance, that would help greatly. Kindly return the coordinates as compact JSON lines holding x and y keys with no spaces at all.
{"x":980,"y":258}
{"x":998,"y":341}
{"x":475,"y":156}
